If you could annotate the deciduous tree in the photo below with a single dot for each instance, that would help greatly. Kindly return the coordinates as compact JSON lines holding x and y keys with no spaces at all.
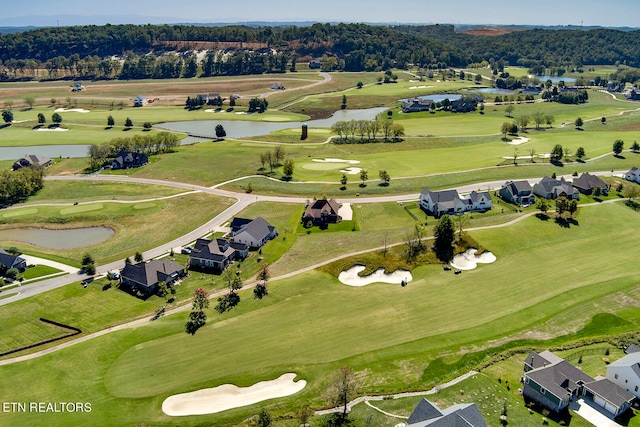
{"x":444,"y":234}
{"x":618,"y":145}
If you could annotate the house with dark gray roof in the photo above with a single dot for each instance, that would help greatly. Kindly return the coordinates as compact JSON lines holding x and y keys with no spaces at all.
{"x":449,"y":202}
{"x":129,"y":159}
{"x":321,"y":212}
{"x":140,"y":101}
{"x":145,"y":276}
{"x":416,"y":104}
{"x":517,"y":192}
{"x":216,"y":254}
{"x":550,"y":188}
{"x":254,"y":233}
{"x":587,"y":183}
{"x":553,"y":383}
{"x":12,"y":261}
{"x":426,"y":414}
{"x":32,"y":160}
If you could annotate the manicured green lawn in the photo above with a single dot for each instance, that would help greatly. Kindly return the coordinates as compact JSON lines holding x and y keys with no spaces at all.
{"x":66,"y":191}
{"x":135,"y":224}
{"x":392,"y":336}
{"x":39,"y":271}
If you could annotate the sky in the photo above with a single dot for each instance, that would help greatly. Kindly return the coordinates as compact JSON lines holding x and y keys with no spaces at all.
{"x":610,"y":13}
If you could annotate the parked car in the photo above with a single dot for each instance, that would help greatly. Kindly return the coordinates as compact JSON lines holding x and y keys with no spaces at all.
{"x":457,"y":271}
{"x":186,"y":250}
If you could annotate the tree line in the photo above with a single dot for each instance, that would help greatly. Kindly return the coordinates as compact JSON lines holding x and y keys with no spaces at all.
{"x":161,"y":142}
{"x":16,"y":186}
{"x":89,"y":51}
{"x":364,"y":131}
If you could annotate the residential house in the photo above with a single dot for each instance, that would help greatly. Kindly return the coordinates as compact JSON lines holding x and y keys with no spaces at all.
{"x":315,"y":64}
{"x":441,"y":202}
{"x":277,"y":86}
{"x":531,"y":90}
{"x":77,"y":86}
{"x":553,"y":383}
{"x":517,"y":192}
{"x":625,"y":372}
{"x":633,"y":175}
{"x":550,"y":188}
{"x":32,"y":160}
{"x":140,"y":101}
{"x":633,"y":348}
{"x":426,"y":414}
{"x":129,"y":159}
{"x":321,"y":212}
{"x":253,"y":233}
{"x":632,"y":94}
{"x":463,"y":105}
{"x":12,"y":261}
{"x":449,"y":202}
{"x":416,"y":104}
{"x":216,"y":254}
{"x":587,"y":183}
{"x":145,"y":276}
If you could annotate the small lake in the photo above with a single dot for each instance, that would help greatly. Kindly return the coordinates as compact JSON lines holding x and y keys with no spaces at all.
{"x":247,"y":128}
{"x":436,"y":97}
{"x":58,"y":239}
{"x":492,"y":90}
{"x":53,"y":151}
{"x":554,"y":79}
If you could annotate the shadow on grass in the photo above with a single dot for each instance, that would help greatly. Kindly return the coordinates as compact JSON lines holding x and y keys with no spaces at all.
{"x":542,"y":216}
{"x":567,"y":222}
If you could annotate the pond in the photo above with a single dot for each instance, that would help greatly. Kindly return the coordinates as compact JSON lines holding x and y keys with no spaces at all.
{"x":554,"y":79}
{"x":492,"y":90}
{"x":247,"y":128}
{"x":58,"y":239}
{"x":436,"y":97}
{"x":53,"y":151}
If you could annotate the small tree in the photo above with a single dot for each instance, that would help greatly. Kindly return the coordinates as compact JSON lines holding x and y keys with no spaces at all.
{"x":200,"y":299}
{"x":543,"y":206}
{"x":264,"y":418}
{"x":505,"y":129}
{"x":579,"y":123}
{"x":56,"y":118}
{"x":618,"y":145}
{"x":359,"y":85}
{"x":41,"y":119}
{"x":635,"y":147}
{"x":128,"y":123}
{"x":138,"y":257}
{"x":444,"y":233}
{"x":342,"y":388}
{"x":29,"y":100}
{"x":287,"y":167}
{"x":12,"y":273}
{"x":384,"y":177}
{"x":343,"y":181}
{"x":110,"y":121}
{"x":344,"y":102}
{"x":261,"y":288}
{"x":147,"y":125}
{"x":364,"y":175}
{"x":509,"y":110}
{"x":580,"y":153}
{"x":220,"y":132}
{"x":556,"y":153}
{"x":7,"y":116}
{"x":197,"y":317}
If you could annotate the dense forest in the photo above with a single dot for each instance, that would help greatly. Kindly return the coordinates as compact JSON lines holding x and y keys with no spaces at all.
{"x":131,"y":51}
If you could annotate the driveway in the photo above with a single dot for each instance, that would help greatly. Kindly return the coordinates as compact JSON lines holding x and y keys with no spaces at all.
{"x":41,"y":261}
{"x":593,"y":413}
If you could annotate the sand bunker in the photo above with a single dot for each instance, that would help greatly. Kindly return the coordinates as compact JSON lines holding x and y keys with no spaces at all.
{"x":469,"y":260}
{"x":211,"y":110}
{"x":350,"y":277}
{"x":351,"y":171}
{"x":71,"y":110}
{"x":329,"y":160}
{"x":229,"y":396}
{"x":345,"y":212}
{"x":418,"y":87}
{"x":51,"y":129}
{"x":518,"y":141}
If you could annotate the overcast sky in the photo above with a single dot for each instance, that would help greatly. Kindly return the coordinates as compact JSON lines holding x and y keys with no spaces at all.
{"x":612,"y":13}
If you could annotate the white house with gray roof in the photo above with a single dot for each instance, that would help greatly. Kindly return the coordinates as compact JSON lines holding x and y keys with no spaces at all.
{"x":633,"y":175}
{"x":449,"y":202}
{"x":625,"y":372}
{"x":252,"y":233}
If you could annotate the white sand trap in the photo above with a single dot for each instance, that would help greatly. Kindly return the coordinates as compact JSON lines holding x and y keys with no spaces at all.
{"x":417,"y":87}
{"x":51,"y":129}
{"x":211,"y":110}
{"x":517,"y":158}
{"x":229,"y":396}
{"x":351,"y":171}
{"x":241,"y":112}
{"x":346,"y":212}
{"x":350,"y":277}
{"x":518,"y":141}
{"x":469,"y":260}
{"x":545,"y":155}
{"x":19,"y":121}
{"x":329,"y":160}
{"x":71,"y":110}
